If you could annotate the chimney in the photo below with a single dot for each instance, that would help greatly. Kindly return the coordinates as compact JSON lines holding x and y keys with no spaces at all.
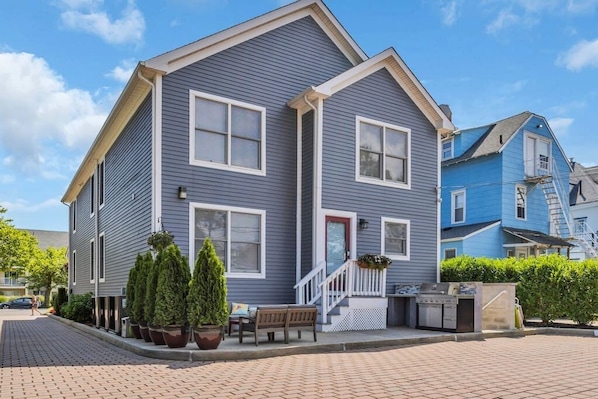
{"x":447,"y":111}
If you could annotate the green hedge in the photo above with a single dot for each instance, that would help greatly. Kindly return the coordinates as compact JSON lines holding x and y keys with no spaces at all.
{"x":548,"y":287}
{"x":79,"y":308}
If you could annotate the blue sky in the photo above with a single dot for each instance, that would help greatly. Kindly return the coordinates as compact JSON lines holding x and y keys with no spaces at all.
{"x":63,"y":64}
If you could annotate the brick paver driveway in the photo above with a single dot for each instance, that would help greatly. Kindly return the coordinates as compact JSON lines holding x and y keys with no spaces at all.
{"x":42,"y":358}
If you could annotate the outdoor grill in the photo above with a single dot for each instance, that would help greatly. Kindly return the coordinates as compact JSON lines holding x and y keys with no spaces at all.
{"x":441,"y":306}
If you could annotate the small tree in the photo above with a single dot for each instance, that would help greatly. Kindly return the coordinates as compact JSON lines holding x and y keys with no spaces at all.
{"x":172,"y":289}
{"x":47,"y":270}
{"x":138,"y":308}
{"x":61,"y":299}
{"x":131,"y":283}
{"x":207,"y":290}
{"x":153,"y":272}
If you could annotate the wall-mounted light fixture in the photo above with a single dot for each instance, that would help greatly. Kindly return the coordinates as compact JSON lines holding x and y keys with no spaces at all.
{"x":363,"y":224}
{"x":540,"y":126}
{"x":182,"y":192}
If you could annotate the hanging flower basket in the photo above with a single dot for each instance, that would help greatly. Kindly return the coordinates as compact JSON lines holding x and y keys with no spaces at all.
{"x":160,"y":240}
{"x":376,"y":262}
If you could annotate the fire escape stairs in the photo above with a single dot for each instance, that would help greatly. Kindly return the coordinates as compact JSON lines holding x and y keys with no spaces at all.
{"x":560,"y":220}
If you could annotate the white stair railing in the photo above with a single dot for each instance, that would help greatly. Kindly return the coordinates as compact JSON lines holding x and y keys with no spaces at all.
{"x":586,"y":237}
{"x":346,"y":281}
{"x":553,"y":190}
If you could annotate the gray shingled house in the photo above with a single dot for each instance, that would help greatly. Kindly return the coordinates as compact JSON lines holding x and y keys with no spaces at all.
{"x":285,"y":143}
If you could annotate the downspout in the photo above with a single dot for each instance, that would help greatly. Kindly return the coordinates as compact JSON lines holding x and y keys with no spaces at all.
{"x":315,"y":184}
{"x":155,"y":216}
{"x":96,"y":255}
{"x":298,"y":219}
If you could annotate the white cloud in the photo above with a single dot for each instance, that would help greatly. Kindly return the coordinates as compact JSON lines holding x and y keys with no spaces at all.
{"x":40,"y":118}
{"x":581,"y":6}
{"x":583,"y":54}
{"x":123,"y":72}
{"x":449,"y":13}
{"x":504,"y":19}
{"x":127,"y":29}
{"x":21,"y":205}
{"x":560,"y":126}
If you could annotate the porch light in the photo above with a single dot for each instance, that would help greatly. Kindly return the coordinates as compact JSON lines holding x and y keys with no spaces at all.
{"x":363,"y":224}
{"x":182,"y":192}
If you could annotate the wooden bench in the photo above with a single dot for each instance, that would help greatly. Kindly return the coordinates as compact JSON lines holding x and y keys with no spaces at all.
{"x":274,"y":318}
{"x":301,"y":317}
{"x":269,"y":319}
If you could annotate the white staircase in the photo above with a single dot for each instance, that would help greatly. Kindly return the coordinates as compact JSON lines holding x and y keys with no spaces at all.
{"x":555,"y":194}
{"x":350,"y":298}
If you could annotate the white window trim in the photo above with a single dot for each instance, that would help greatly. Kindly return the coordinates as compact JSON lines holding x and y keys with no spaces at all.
{"x":518,"y":186}
{"x":452,"y":155}
{"x":101,"y":259}
{"x":74,"y":268}
{"x":262,"y":213}
{"x":92,"y":195}
{"x":192,"y":96}
{"x":453,"y":195}
{"x":449,"y":249}
{"x":385,"y":220}
{"x":74,"y":221}
{"x":383,"y":181}
{"x":537,"y":137}
{"x":102,"y":165}
{"x":92,"y":260}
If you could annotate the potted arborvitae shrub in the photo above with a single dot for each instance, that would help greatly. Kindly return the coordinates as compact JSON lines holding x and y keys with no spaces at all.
{"x":208,"y":310}
{"x":171,"y":297}
{"x":138,"y":309}
{"x":131,"y":283}
{"x":155,"y":330}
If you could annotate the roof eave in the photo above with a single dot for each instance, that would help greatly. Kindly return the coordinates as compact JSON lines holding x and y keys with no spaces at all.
{"x":127,"y":104}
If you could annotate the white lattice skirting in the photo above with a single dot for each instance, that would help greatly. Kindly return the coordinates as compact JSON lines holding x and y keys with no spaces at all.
{"x":363,"y":314}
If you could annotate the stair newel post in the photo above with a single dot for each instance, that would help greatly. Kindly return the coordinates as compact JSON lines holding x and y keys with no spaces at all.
{"x":350,"y":278}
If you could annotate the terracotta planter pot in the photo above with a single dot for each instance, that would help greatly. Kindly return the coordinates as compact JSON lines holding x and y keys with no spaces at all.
{"x":176,"y":336}
{"x":208,"y":337}
{"x":156,"y":335}
{"x":135,"y":330}
{"x":144,"y":331}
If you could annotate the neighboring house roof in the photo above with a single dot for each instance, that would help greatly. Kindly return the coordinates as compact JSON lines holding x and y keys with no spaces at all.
{"x":498,"y":136}
{"x":584,"y":182}
{"x":139,"y":85}
{"x":47,"y":238}
{"x":537,"y":237}
{"x":461,"y":232}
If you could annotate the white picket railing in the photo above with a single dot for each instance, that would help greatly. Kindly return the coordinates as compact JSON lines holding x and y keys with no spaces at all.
{"x":346,"y":281}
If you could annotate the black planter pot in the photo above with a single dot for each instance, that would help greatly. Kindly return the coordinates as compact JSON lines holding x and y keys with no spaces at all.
{"x":208,"y":337}
{"x":176,"y":336}
{"x":144,"y":331}
{"x":155,"y":333}
{"x":135,"y":330}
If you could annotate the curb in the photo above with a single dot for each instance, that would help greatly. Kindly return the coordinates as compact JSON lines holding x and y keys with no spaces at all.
{"x":197,"y":355}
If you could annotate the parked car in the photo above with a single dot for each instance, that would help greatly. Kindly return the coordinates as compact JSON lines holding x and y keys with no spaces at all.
{"x":18,"y":303}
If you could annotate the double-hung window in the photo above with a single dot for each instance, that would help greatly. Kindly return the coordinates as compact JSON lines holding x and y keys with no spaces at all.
{"x":92,"y":260}
{"x":383,"y":154}
{"x":101,"y":177}
{"x":102,"y":257}
{"x":74,"y":216}
{"x":458,"y":207}
{"x":447,"y":148}
{"x":521,"y":201}
{"x":238,"y":234}
{"x":74,"y":267}
{"x":227,"y":134}
{"x":395,"y":238}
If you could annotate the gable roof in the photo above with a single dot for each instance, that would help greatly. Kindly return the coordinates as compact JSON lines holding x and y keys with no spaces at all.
{"x":139,"y":85}
{"x":498,"y":136}
{"x":494,"y":140}
{"x":390,"y":60}
{"x":584,"y":183}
